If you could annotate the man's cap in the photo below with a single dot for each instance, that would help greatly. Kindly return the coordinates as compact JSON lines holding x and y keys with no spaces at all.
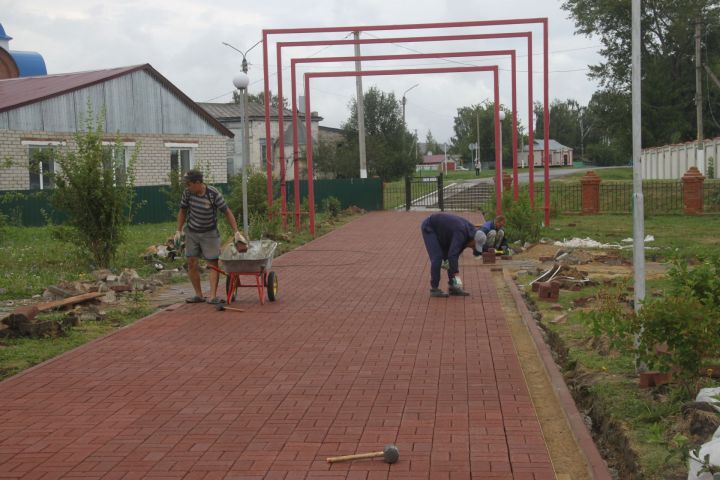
{"x":480,"y":239}
{"x":193,"y":176}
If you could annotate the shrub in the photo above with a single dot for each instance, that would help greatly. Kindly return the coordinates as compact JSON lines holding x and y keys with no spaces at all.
{"x":98,"y":201}
{"x":256,"y":194}
{"x":687,"y":320}
{"x":524,"y":223}
{"x":331,"y":206}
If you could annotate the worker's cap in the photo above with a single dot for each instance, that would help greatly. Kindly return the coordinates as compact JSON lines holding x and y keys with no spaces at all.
{"x":193,"y":176}
{"x":480,"y":239}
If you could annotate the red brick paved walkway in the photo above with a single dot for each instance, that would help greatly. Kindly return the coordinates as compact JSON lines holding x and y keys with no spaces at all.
{"x":354,"y":355}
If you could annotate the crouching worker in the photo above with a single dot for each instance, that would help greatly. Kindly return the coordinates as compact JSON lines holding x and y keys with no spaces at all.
{"x":446,"y":236}
{"x":495,"y":232}
{"x":199,"y":206}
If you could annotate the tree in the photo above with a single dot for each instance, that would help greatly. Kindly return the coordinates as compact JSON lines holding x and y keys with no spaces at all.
{"x":466,"y":128}
{"x":431,"y":145}
{"x":564,"y":122}
{"x":96,"y":191}
{"x":668,"y":60}
{"x":259,"y":98}
{"x":388,"y":144}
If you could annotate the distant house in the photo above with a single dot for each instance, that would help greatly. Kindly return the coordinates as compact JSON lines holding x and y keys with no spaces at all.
{"x":137,"y":105}
{"x":560,"y":155}
{"x":437,"y":162}
{"x":230,"y":115}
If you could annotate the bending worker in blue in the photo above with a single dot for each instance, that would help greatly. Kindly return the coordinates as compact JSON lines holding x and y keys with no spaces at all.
{"x":446,"y":236}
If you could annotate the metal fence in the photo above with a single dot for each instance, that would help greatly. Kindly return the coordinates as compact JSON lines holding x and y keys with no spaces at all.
{"x":661,"y":197}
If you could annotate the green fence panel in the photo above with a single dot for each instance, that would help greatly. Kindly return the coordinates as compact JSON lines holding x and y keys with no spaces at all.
{"x":365,"y":193}
{"x":32,"y":208}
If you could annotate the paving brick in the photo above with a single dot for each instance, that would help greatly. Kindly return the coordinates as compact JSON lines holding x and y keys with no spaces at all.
{"x":353,"y":355}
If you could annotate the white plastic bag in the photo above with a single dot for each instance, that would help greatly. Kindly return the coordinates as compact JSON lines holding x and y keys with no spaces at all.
{"x":695,"y":464}
{"x":711,"y":396}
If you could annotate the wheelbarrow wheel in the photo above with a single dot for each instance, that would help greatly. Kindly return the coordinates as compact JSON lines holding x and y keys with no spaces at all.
{"x":272,"y":286}
{"x":227,"y":288}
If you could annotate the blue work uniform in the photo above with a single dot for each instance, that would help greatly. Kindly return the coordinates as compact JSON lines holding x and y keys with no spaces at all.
{"x":445,"y":236}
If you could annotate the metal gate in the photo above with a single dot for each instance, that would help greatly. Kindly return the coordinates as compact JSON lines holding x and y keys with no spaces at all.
{"x":437,"y":193}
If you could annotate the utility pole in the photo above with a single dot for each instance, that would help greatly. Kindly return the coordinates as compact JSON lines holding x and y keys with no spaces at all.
{"x":700,"y":154}
{"x":638,"y":201}
{"x":360,"y":110}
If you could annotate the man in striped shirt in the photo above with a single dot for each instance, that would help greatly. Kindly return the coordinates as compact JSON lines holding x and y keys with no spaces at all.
{"x":199,"y":206}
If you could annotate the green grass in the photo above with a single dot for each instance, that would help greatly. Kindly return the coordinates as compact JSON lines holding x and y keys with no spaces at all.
{"x":649,"y":418}
{"x":30,"y":259}
{"x":18,"y":354}
{"x":688,"y":236}
{"x":606,"y":174}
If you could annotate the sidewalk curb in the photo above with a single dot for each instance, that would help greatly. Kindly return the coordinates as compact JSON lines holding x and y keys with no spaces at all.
{"x":596,"y":464}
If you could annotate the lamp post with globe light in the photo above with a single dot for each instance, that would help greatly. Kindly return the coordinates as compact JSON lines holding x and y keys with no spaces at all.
{"x":501,"y":117}
{"x":241,"y":82}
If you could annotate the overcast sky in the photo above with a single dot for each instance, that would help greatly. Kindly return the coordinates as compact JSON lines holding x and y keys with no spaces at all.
{"x":183,"y":39}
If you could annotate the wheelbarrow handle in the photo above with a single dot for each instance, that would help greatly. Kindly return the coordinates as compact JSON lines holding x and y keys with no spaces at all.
{"x":217,"y":269}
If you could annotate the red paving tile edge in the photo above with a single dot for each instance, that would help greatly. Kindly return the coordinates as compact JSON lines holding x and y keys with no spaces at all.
{"x":84,"y":346}
{"x":596,"y":464}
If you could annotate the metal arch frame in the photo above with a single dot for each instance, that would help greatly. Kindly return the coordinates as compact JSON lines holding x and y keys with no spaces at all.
{"x":527,"y":35}
{"x":373,"y":73}
{"x":419,"y":26}
{"x":483,"y":36}
{"x":293,"y":76}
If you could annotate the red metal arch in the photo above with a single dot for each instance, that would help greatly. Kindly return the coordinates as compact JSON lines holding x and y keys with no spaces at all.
{"x":481,"y":23}
{"x":308,"y":119}
{"x":295,"y":61}
{"x":481,"y":36}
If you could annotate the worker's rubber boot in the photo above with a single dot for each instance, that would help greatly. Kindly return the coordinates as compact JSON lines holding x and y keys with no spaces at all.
{"x":436,"y":292}
{"x":457,"y":291}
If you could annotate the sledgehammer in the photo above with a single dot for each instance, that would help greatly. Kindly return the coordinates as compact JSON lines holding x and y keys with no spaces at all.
{"x":390,"y":454}
{"x":222,"y":308}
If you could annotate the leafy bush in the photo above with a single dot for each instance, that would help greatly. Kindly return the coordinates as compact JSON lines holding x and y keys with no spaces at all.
{"x":97,"y":200}
{"x":687,"y":320}
{"x":524,"y":223}
{"x":256,"y":194}
{"x":174,"y":191}
{"x":332,"y":206}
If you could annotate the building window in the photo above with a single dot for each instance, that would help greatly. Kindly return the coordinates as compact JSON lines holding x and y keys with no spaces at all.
{"x":180,"y":159}
{"x":117,"y":158}
{"x":41,"y":167}
{"x":263,"y":154}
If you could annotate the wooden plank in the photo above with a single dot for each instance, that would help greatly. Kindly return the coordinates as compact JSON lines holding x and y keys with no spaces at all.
{"x":69,"y":301}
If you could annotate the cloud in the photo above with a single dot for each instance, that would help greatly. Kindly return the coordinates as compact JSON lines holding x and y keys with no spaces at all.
{"x":183,"y":40}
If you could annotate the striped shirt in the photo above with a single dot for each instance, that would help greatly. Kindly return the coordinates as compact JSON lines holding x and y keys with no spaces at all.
{"x":202,"y":209}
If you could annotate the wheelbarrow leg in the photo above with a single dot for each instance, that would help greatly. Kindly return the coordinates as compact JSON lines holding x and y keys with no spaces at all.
{"x":260,"y":280}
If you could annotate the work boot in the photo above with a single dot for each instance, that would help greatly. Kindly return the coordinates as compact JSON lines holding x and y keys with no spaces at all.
{"x":457,"y":291}
{"x":436,"y":292}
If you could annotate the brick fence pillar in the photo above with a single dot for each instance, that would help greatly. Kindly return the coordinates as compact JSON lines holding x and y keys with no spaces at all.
{"x":590,"y":193}
{"x":507,"y":181}
{"x":692,"y":183}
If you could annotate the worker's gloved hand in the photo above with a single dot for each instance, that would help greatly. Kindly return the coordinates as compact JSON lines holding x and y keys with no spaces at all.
{"x":241,"y":243}
{"x":177,"y":239}
{"x":456,"y":289}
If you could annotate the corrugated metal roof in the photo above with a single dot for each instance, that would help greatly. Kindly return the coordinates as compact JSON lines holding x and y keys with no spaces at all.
{"x":18,"y":92}
{"x":232,"y":111}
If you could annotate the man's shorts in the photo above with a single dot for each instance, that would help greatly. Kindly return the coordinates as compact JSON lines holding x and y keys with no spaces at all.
{"x":205,"y":244}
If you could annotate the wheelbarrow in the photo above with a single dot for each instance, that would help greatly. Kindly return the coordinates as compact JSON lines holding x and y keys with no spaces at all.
{"x":253,"y":265}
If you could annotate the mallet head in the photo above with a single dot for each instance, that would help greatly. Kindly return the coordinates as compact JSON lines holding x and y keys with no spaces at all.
{"x":219,"y":308}
{"x":390,"y":453}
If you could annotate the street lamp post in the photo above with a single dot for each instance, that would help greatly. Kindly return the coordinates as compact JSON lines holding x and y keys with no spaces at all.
{"x":241,"y":82}
{"x":404,"y":99}
{"x":502,"y":117}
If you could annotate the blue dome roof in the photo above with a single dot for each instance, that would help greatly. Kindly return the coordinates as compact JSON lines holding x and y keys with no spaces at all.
{"x":3,"y":35}
{"x":30,"y":64}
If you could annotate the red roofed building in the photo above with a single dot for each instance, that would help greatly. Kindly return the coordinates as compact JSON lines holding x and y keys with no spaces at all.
{"x":437,"y":162}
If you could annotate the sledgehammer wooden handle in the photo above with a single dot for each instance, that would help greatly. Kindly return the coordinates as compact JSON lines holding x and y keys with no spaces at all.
{"x":357,"y":456}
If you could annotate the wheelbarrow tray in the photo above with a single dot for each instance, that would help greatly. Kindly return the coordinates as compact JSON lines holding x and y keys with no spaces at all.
{"x":258,"y":257}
